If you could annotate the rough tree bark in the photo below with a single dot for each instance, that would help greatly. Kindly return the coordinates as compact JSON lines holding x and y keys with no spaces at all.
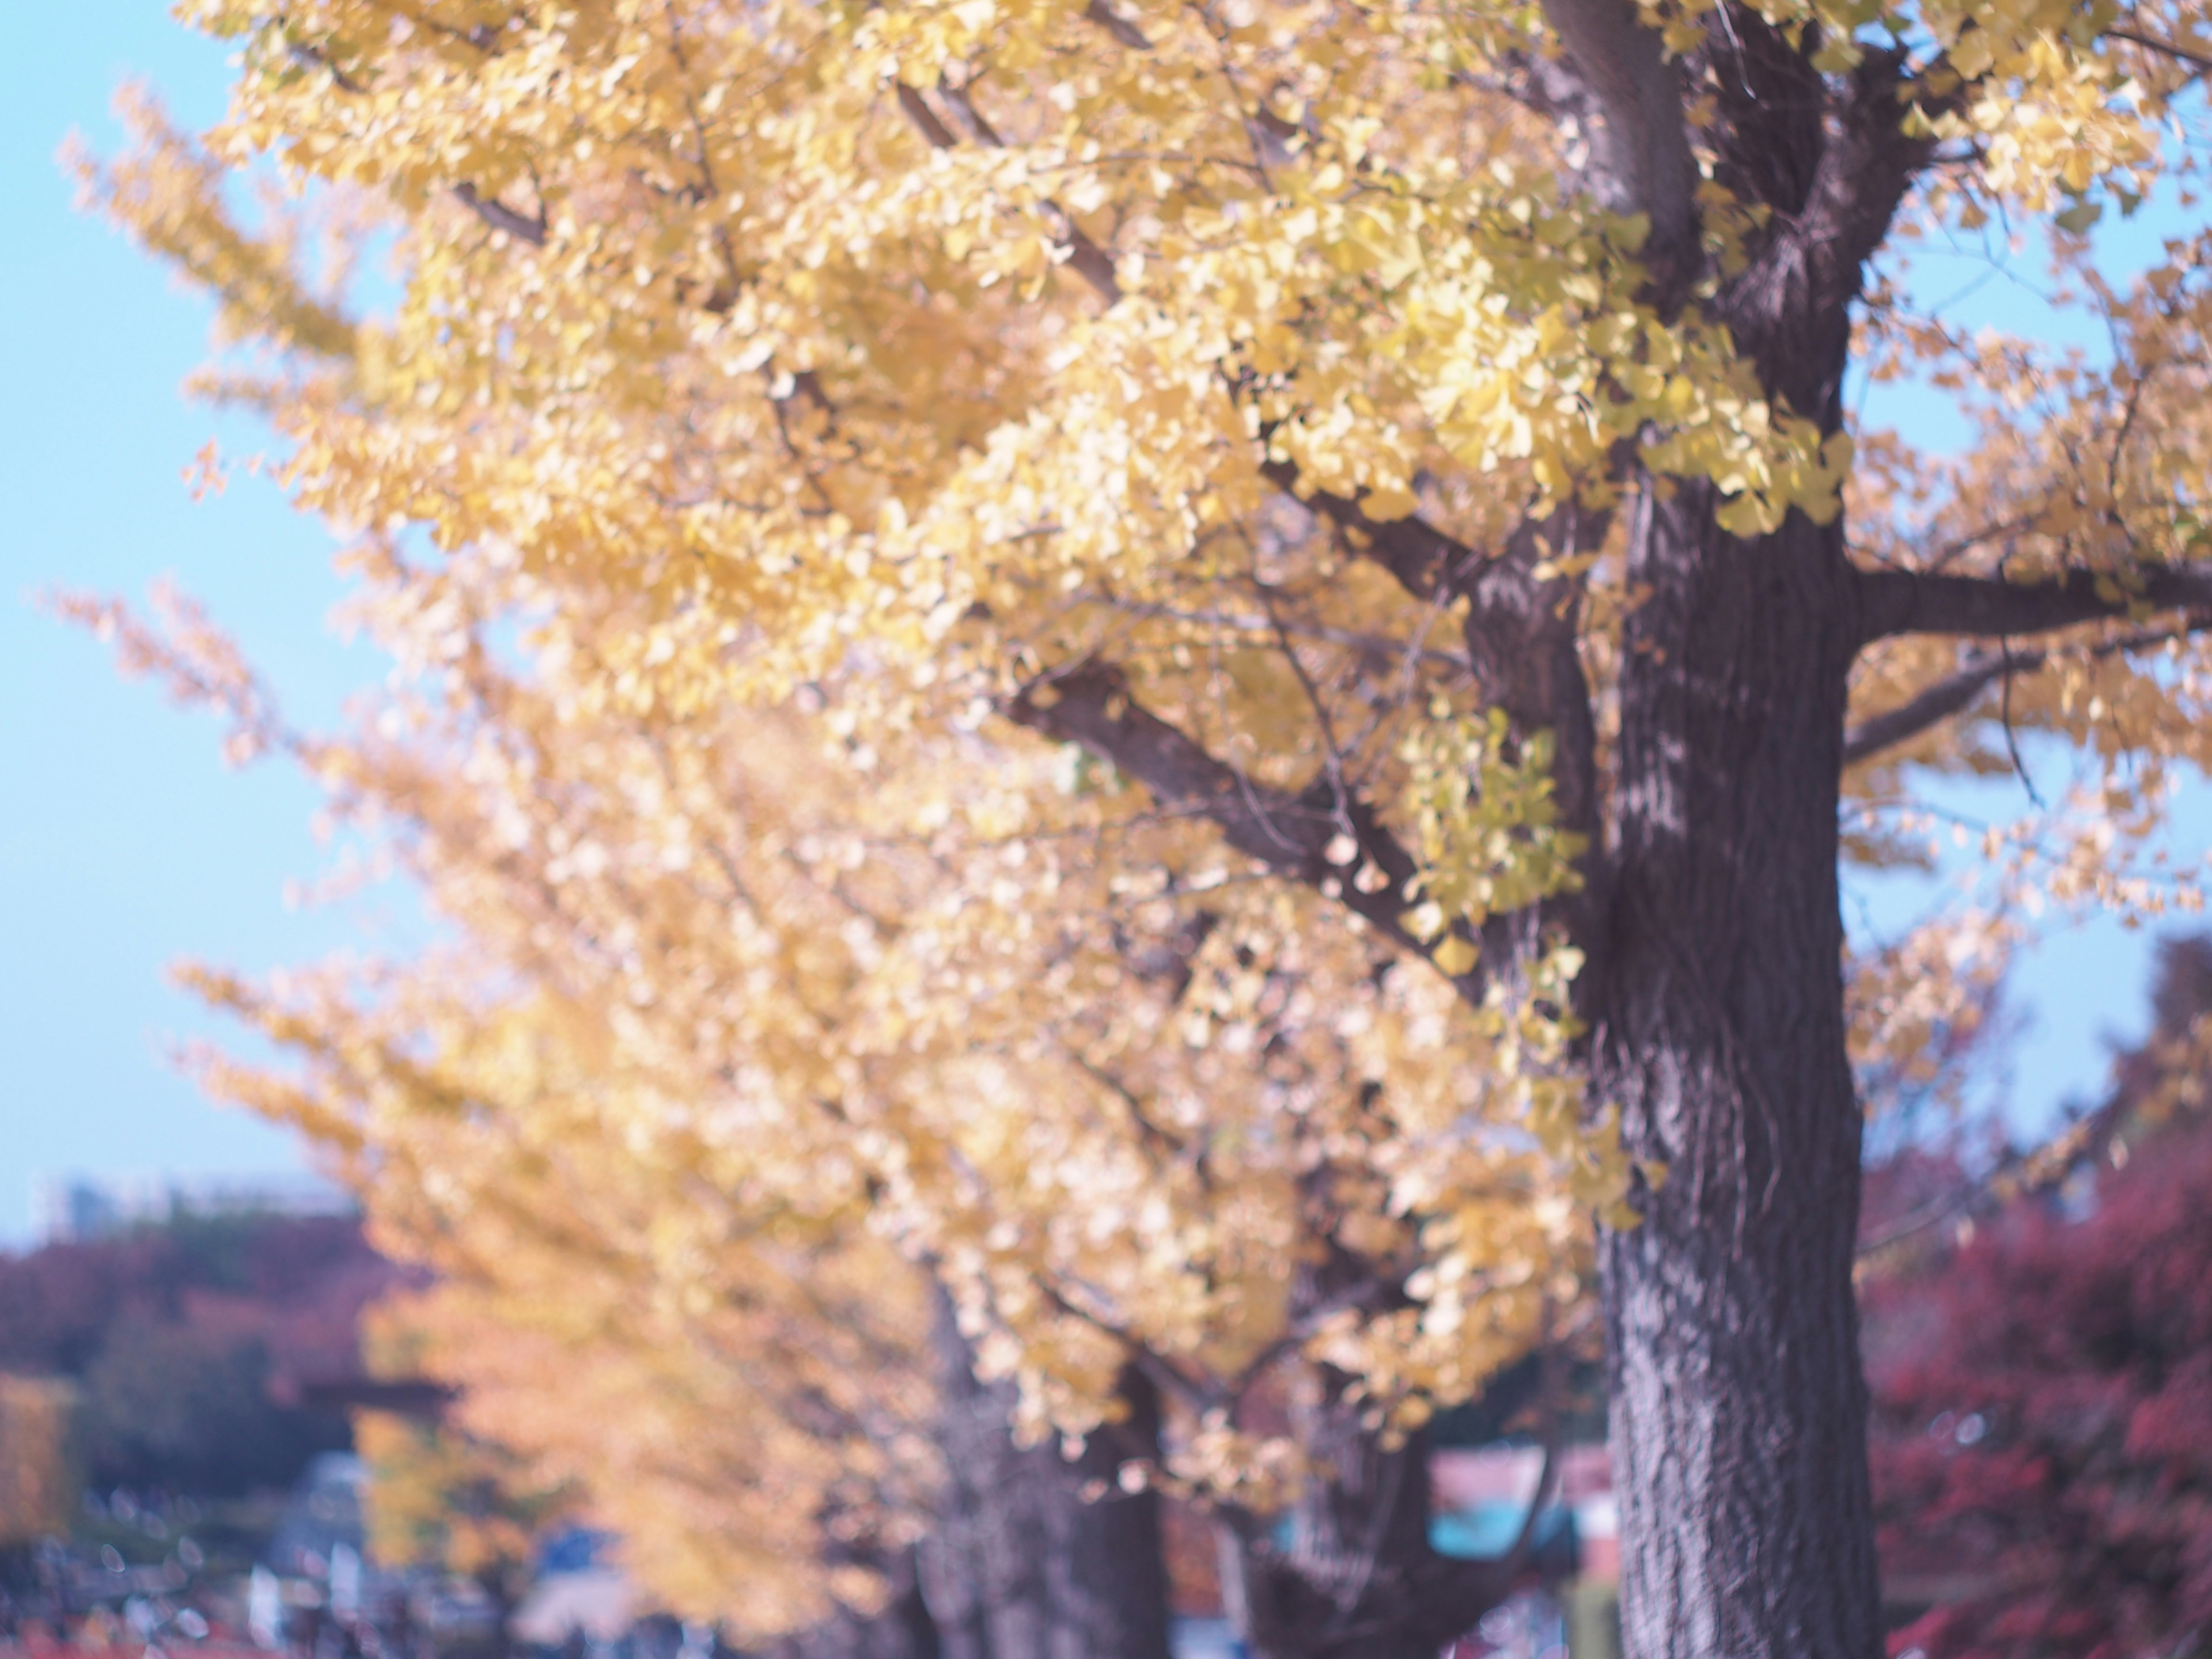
{"x":1738,"y":1408}
{"x":1738,"y":1413}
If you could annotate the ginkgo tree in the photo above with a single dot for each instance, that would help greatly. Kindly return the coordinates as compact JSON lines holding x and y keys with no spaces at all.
{"x":1402,"y":444}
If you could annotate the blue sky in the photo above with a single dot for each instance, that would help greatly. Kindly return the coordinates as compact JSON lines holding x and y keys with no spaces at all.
{"x":126,"y":844}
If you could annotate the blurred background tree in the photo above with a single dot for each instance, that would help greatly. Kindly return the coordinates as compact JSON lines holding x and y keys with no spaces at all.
{"x":438,"y":1496}
{"x":178,"y":1405}
{"x":2041,"y":1367}
{"x":41,"y":1476}
{"x":188,"y":1342}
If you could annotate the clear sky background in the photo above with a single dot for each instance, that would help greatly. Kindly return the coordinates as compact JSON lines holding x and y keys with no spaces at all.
{"x":126,"y":844}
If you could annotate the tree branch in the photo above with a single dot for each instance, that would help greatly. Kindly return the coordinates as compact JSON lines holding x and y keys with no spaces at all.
{"x":1644,"y":149}
{"x":1426,"y":562}
{"x":1834,"y":185}
{"x":1940,"y":701}
{"x":1290,"y":835}
{"x":1892,"y":602}
{"x":499,"y":216}
{"x":1103,"y":14}
{"x":1084,"y":257}
{"x":2171,"y":49}
{"x":934,"y":132}
{"x":1956,"y":692}
{"x":2020,"y":1173}
{"x":1522,"y":631}
{"x":1866,"y":170}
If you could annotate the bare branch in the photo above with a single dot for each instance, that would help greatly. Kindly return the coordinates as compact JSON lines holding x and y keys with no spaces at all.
{"x":300,"y":53}
{"x":1083,"y":257}
{"x":1940,"y":701}
{"x":1549,"y":1387}
{"x":1427,"y":563}
{"x":2022,"y":1172}
{"x":918,"y":110}
{"x":1161,"y":1146}
{"x":1522,"y":631}
{"x":1378,"y":645}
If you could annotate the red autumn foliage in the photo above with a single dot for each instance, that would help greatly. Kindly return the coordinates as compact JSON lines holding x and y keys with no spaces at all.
{"x":2043,"y":1393}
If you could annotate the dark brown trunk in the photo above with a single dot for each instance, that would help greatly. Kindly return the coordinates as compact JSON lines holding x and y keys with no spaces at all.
{"x":1349,"y":1571}
{"x":1738,"y":1412}
{"x":1035,"y":1556}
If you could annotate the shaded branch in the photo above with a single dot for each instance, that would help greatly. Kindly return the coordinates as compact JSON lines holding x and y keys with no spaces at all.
{"x":1289,"y":834}
{"x":499,"y":216}
{"x":1892,"y":602}
{"x":1371,"y":645}
{"x":1934,"y":706}
{"x":1522,"y":631}
{"x":1955,"y":692}
{"x":1083,"y":256}
{"x":1523,"y":1549}
{"x":300,"y":53}
{"x":1789,"y":307}
{"x":1161,"y":1146}
{"x":934,"y":132}
{"x":1099,"y":12}
{"x":1426,"y":562}
{"x":1867,"y":170}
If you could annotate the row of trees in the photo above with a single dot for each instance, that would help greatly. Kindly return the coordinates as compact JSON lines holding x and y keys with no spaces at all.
{"x":1139,"y":724}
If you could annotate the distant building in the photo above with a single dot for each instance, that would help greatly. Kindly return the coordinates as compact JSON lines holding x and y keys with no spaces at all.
{"x":75,"y":1209}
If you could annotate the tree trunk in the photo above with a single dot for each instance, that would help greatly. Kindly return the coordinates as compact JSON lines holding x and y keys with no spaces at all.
{"x":1035,"y":1556}
{"x":903,"y":1630}
{"x":1349,"y":1571}
{"x":1738,"y":1411}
